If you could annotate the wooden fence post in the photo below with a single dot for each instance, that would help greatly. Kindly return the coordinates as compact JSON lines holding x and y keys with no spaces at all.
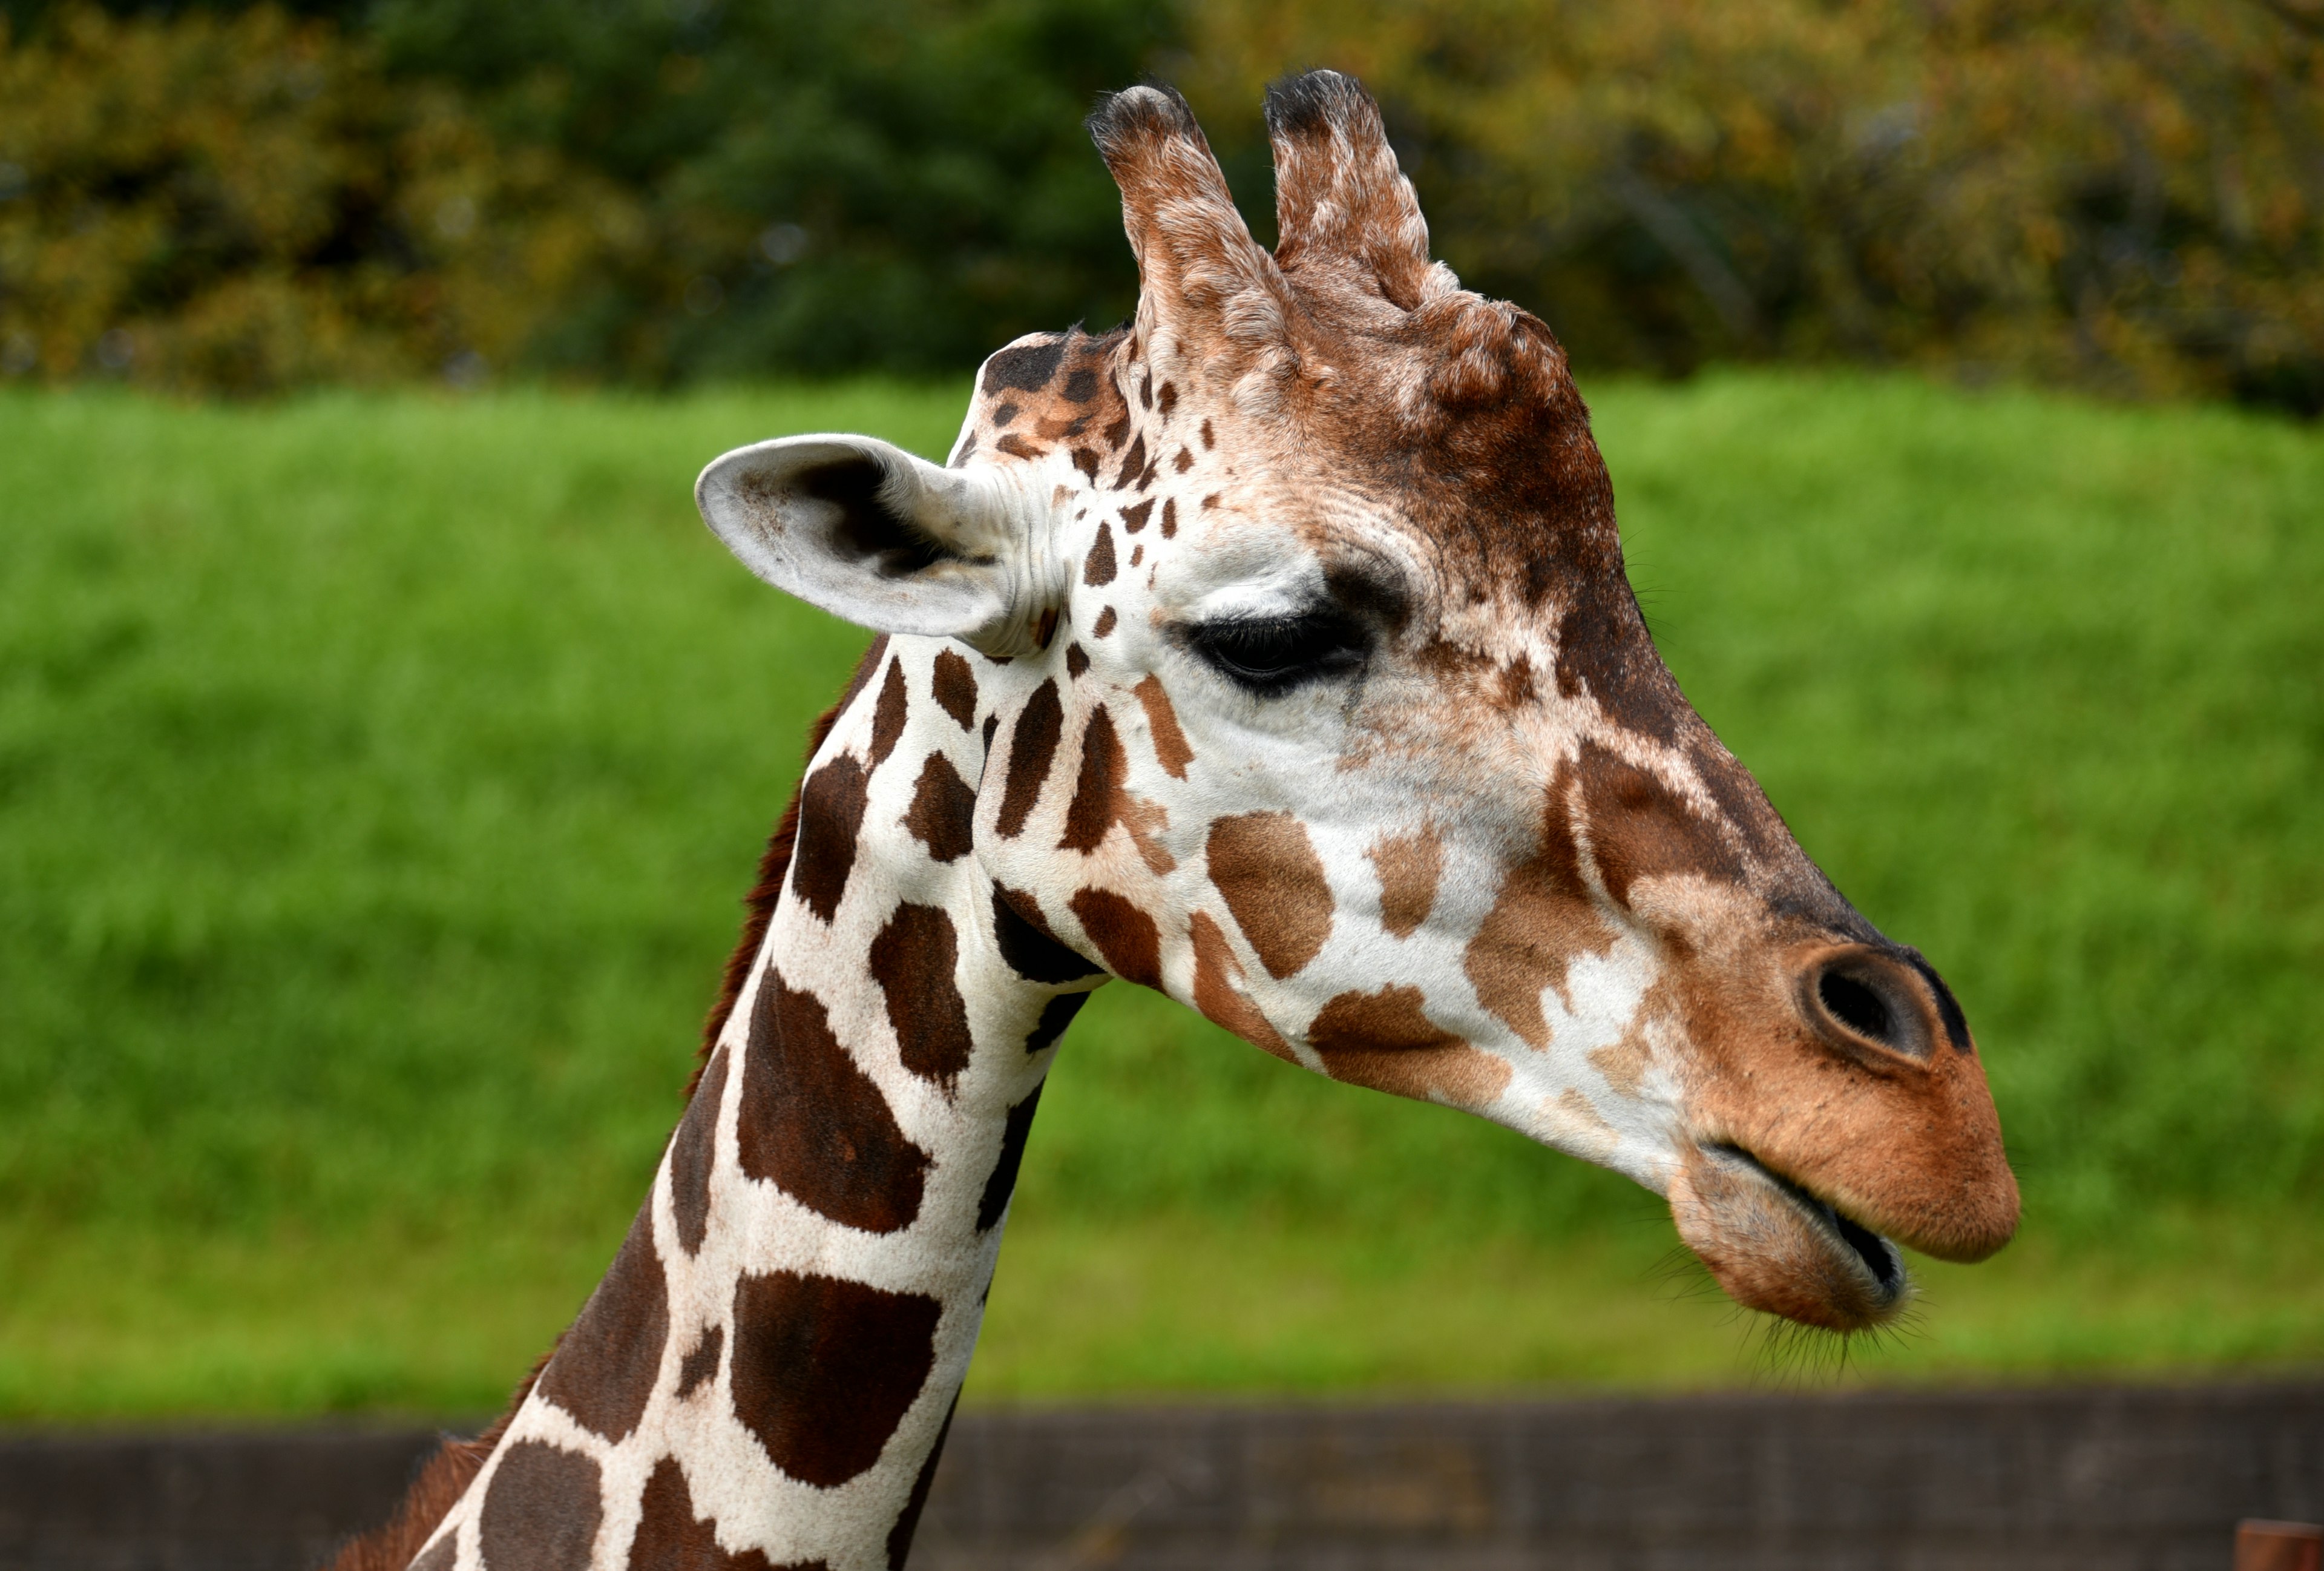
{"x":2265,"y":1546}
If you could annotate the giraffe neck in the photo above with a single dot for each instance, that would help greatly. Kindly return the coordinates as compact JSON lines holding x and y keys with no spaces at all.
{"x":764,"y":1377}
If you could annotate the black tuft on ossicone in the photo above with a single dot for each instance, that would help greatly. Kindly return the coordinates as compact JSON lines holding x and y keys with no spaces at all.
{"x":1149,"y":111}
{"x":1313,"y":102}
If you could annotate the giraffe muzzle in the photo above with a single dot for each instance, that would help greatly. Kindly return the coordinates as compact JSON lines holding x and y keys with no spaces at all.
{"x":1775,"y":1245}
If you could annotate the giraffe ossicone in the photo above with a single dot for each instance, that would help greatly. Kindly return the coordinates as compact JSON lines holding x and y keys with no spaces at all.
{"x":1273,"y":651}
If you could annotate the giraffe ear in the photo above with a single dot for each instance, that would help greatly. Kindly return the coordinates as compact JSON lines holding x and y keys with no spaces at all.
{"x":870,"y":533}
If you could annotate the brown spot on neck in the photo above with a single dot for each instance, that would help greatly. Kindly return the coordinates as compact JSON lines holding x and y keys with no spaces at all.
{"x":692,"y":1152}
{"x":825,"y":1369}
{"x":913,"y":960}
{"x":1098,"y":567}
{"x":1032,"y":748}
{"x":943,"y":814}
{"x":1273,"y":881}
{"x":830,"y":823}
{"x":669,"y":1533}
{"x":952,"y":685}
{"x":604,"y":1370}
{"x":815,"y":1125}
{"x":541,"y":1509}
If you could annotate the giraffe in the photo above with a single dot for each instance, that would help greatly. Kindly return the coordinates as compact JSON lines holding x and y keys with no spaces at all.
{"x":1273,"y":651}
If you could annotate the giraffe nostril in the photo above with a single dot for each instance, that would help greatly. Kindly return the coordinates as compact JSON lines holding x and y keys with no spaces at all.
{"x":1863,"y":995}
{"x":1855,"y":1004}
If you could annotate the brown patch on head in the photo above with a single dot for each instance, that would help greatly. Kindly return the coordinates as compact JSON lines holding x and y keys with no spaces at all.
{"x":1103,"y":768}
{"x":1016,"y":447}
{"x":1076,"y":662}
{"x":1408,"y":866}
{"x":1137,"y":555}
{"x":1098,"y":567}
{"x":817,"y":1126}
{"x":1165,"y":398}
{"x":1266,"y":869}
{"x":1125,"y":935}
{"x":1541,"y":919}
{"x":1134,"y":516}
{"x":1102,"y":799}
{"x":670,"y":1535}
{"x":913,"y":961}
{"x":1209,"y":441}
{"x":1170,"y":748}
{"x":1001,"y":1182}
{"x":1024,"y":368}
{"x":1624,"y":1063}
{"x":1032,"y":748}
{"x":943,"y":814}
{"x":1183,"y":462}
{"x":825,"y":1369}
{"x":889,"y":715}
{"x":830,"y":820}
{"x":1117,"y":432}
{"x":1218,"y":990}
{"x":541,"y":1509}
{"x":1105,"y":621}
{"x":604,"y":1370}
{"x":952,"y":685}
{"x":1384,"y":1040}
{"x":1084,"y":458}
{"x":700,"y":1367}
{"x":1640,"y":827}
{"x":1170,"y":516}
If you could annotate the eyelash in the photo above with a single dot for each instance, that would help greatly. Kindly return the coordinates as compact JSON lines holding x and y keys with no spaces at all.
{"x":1270,"y":656}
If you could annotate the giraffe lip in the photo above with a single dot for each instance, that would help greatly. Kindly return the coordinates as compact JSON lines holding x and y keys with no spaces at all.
{"x":1867,"y":1253}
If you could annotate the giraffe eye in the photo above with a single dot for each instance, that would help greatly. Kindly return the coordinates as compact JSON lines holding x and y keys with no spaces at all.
{"x":1272,"y":655}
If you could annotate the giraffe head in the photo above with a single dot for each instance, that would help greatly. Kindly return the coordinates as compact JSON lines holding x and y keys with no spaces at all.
{"x":1331,"y":714}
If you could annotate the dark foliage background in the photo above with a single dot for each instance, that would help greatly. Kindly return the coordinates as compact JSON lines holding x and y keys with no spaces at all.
{"x":2124,"y":196}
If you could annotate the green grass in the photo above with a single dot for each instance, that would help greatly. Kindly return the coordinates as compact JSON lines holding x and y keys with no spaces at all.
{"x":378,"y":777}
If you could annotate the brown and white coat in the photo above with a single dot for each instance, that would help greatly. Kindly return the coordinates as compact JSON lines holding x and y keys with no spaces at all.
{"x":1274,"y":652}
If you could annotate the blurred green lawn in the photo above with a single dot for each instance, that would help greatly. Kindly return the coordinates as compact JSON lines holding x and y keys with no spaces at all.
{"x":379,"y":776}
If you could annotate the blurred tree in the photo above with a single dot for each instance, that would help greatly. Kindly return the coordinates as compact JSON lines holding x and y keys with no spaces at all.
{"x":895,"y":183}
{"x":2121,"y":194}
{"x":240,"y":203}
{"x":2127,"y":194}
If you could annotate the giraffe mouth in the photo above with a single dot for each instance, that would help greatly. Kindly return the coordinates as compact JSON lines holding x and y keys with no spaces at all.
{"x":1774,"y":1244}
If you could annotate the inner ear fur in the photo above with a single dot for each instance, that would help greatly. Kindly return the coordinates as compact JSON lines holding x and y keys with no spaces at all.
{"x":871,"y":533}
